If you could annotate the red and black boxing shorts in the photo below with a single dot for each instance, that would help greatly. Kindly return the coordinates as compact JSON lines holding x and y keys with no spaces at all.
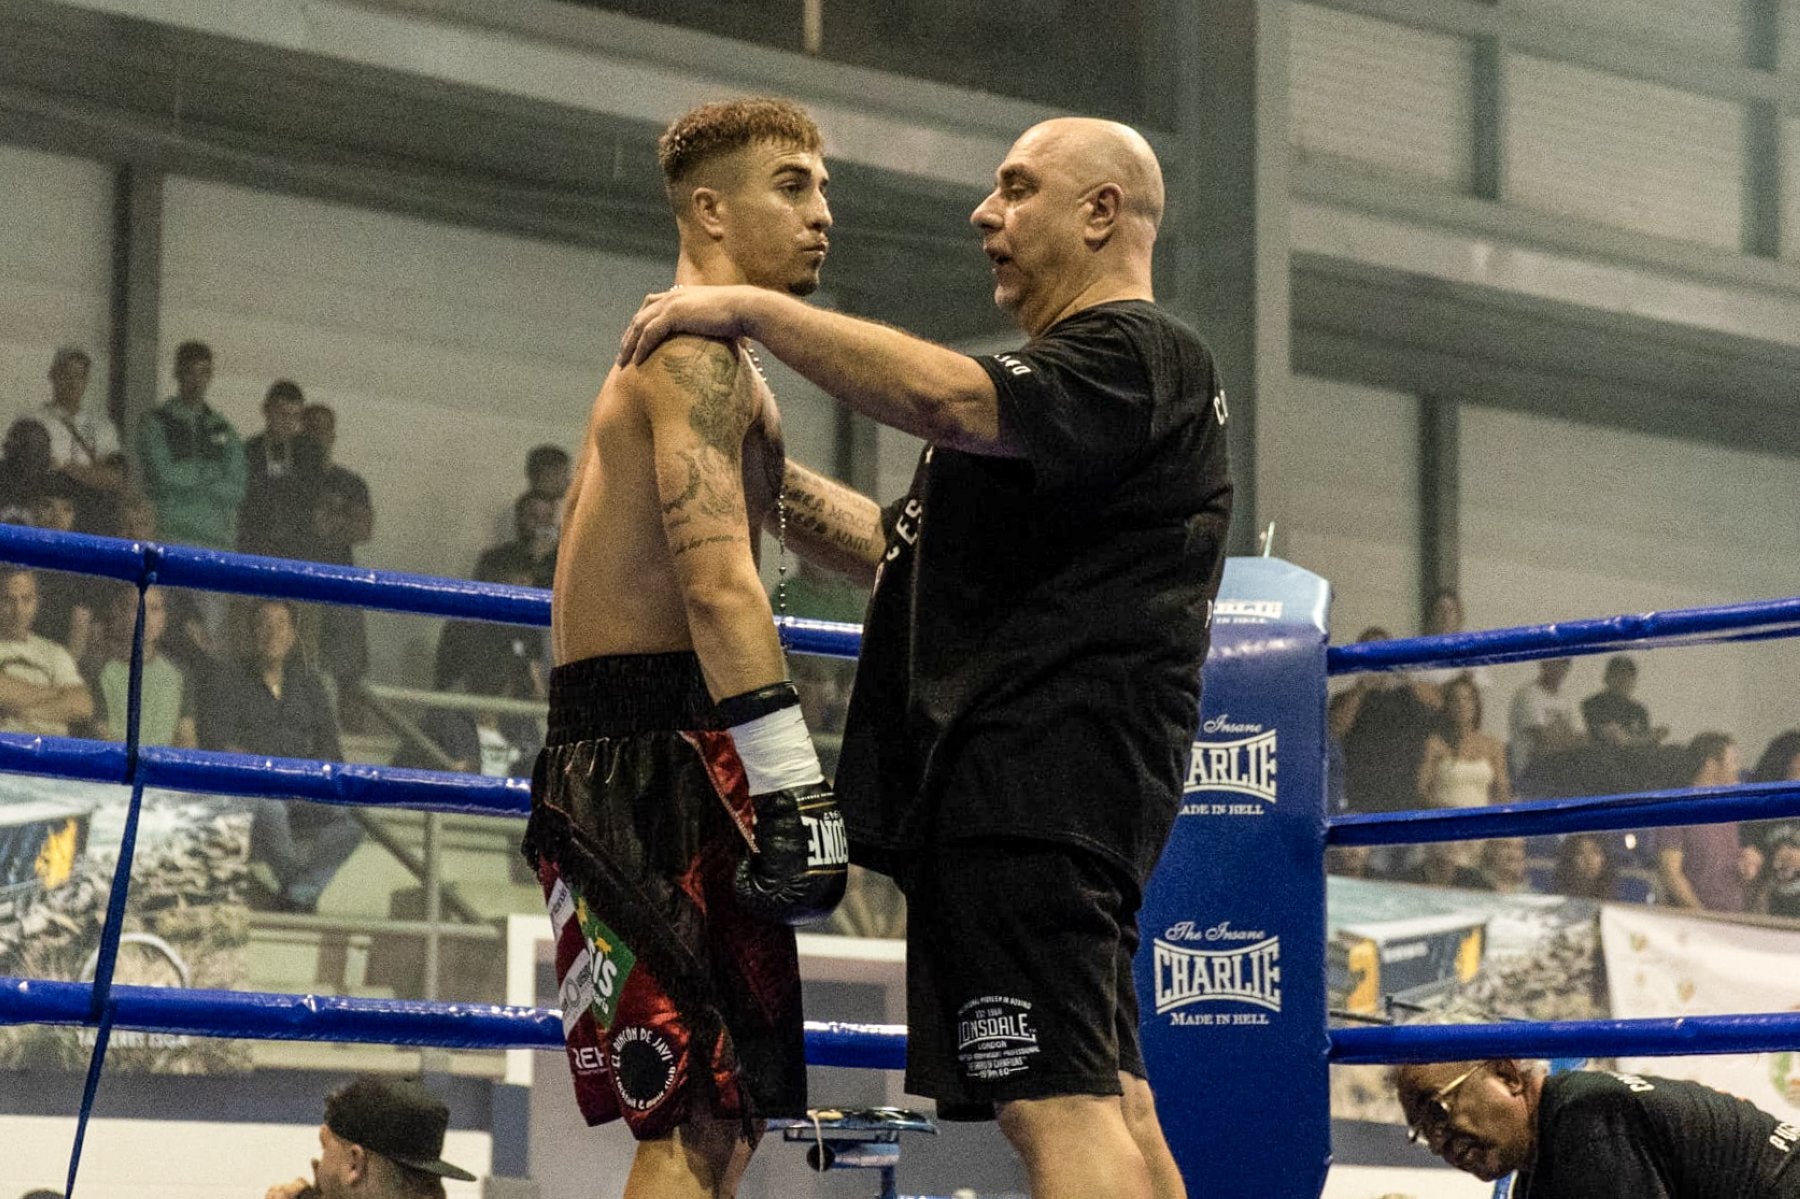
{"x":677,"y":1005}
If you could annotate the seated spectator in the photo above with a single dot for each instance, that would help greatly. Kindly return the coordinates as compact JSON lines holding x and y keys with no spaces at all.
{"x":193,"y":460}
{"x":342,"y":519}
{"x":547,"y":472}
{"x":1446,"y":864}
{"x":531,"y":554}
{"x":1463,"y":767}
{"x":269,"y":702}
{"x":512,"y":656}
{"x":1612,"y":716}
{"x":546,"y":477}
{"x":1503,"y":865}
{"x":26,"y":467}
{"x":282,"y":468}
{"x":1779,"y":763}
{"x":1706,"y":865}
{"x":166,"y":710}
{"x":1383,"y":720}
{"x":41,"y":690}
{"x":483,"y":742}
{"x":187,"y":641}
{"x":84,"y":445}
{"x":1542,"y":719}
{"x":65,"y":608}
{"x":1778,"y":889}
{"x":1585,"y":868}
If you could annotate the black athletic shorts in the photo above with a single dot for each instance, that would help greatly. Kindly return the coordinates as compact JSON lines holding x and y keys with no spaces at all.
{"x":677,"y":1004}
{"x":1018,"y":975}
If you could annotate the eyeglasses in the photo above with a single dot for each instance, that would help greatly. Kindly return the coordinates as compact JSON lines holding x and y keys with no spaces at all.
{"x":1434,"y":1109}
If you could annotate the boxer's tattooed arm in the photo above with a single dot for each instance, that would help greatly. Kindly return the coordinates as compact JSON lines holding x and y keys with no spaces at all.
{"x":710,"y":486}
{"x":701,"y":406}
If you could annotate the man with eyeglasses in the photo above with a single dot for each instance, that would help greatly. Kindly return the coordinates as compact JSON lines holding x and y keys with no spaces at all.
{"x":1592,"y":1134}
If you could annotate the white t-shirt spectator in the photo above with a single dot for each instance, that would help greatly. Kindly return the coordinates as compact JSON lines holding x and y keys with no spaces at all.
{"x":1533,"y":710}
{"x":85,"y":439}
{"x":43,"y":663}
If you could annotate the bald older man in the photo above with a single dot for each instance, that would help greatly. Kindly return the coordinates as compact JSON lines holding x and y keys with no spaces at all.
{"x":1030,"y":673}
{"x":1592,"y":1134}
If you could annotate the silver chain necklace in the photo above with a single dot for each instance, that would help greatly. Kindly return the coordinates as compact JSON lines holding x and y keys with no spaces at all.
{"x":781,"y":511}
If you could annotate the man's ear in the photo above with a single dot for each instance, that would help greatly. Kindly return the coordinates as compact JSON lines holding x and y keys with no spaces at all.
{"x":1510,"y":1073}
{"x":358,"y":1161}
{"x":1104,"y":204}
{"x":706,"y":205}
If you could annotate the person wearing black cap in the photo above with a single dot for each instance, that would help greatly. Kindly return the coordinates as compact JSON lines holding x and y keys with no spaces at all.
{"x":383,"y":1138}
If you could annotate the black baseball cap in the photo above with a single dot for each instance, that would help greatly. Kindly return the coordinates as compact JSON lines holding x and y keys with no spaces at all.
{"x":397,"y":1118}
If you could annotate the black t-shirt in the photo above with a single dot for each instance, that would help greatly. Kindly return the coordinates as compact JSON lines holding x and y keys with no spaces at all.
{"x":340,"y":489}
{"x":237,"y":711}
{"x":280,"y":482}
{"x":1619,"y":1136}
{"x":1603,"y":708}
{"x":1031,"y":655}
{"x":1383,"y":748}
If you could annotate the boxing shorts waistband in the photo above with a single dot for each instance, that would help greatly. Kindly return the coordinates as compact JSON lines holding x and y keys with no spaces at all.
{"x":618,"y":695}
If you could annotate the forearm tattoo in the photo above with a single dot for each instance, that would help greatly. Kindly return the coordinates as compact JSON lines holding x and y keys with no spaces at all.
{"x":813,"y":509}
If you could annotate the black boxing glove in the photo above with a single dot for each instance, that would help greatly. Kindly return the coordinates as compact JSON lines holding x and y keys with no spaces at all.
{"x":801,"y":862}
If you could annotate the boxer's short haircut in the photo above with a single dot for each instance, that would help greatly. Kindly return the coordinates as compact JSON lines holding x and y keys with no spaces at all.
{"x":717,"y":129}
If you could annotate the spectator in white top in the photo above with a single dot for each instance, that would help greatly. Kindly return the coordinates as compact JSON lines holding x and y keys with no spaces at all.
{"x":40,"y":688}
{"x":1444,"y":614}
{"x":1463,"y":766}
{"x":1542,"y":719}
{"x":84,"y":445}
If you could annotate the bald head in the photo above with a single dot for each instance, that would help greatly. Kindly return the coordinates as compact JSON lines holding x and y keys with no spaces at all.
{"x":1093,"y":153}
{"x":1072,"y":220}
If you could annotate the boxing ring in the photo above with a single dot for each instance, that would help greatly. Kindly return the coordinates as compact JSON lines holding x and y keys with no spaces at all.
{"x":1232,"y":970}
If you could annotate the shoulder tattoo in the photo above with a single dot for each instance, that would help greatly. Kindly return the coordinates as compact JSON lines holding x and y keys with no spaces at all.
{"x":708,"y":372}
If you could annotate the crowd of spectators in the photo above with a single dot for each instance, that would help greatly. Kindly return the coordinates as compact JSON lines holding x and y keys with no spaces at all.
{"x":268,"y":678}
{"x":1405,"y":740}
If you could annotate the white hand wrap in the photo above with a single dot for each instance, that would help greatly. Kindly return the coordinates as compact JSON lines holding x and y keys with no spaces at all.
{"x":777,"y":752}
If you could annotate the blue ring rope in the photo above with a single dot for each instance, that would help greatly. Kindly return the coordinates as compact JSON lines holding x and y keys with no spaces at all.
{"x":398,"y":591}
{"x":1663,"y":1037}
{"x":260,"y":1016}
{"x":1581,"y":814}
{"x":215,"y":773}
{"x":1756,"y":621}
{"x":318,"y":582}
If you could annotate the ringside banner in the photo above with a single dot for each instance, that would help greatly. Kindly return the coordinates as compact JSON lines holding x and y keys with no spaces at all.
{"x":1668,"y":964}
{"x":1231,"y":973}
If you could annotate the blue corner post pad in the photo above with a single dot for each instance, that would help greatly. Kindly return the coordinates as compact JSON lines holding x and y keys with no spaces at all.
{"x":1231,"y":972}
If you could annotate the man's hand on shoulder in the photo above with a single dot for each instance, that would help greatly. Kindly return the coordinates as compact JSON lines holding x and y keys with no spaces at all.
{"x":704,"y":311}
